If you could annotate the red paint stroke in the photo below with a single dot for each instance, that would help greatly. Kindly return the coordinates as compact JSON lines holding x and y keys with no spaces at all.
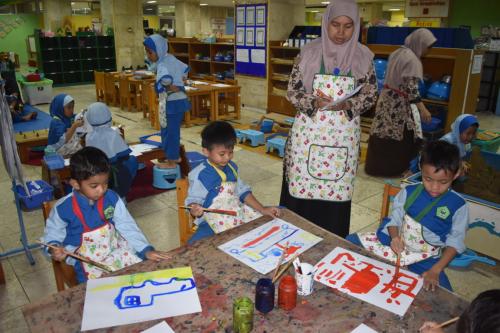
{"x":398,"y":286}
{"x":336,"y":274}
{"x":332,"y":281}
{"x":362,"y":281}
{"x":292,"y":249}
{"x":321,"y":264}
{"x":323,"y":272}
{"x":263,"y":236}
{"x":340,"y":256}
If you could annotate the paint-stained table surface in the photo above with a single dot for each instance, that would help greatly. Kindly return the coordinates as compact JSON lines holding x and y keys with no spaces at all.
{"x":220,"y":279}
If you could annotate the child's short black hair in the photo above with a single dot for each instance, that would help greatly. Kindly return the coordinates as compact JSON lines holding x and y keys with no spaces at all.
{"x":441,"y":155}
{"x":88,"y":162}
{"x":218,"y":133}
{"x":482,"y":315}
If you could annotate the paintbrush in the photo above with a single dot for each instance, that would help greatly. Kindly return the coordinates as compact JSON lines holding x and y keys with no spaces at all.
{"x":280,"y":261}
{"x":448,"y":322}
{"x":215,"y":211}
{"x":398,"y":260}
{"x":78,"y":257}
{"x":283,"y":270}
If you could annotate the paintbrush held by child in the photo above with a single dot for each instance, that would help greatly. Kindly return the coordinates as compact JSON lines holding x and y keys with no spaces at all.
{"x":215,"y":184}
{"x":428,"y":221}
{"x":94,"y":222}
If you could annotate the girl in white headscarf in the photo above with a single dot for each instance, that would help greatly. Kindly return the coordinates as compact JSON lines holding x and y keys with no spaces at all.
{"x":102,"y":136}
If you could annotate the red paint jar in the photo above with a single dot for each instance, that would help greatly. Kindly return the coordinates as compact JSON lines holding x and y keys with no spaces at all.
{"x":287,"y":293}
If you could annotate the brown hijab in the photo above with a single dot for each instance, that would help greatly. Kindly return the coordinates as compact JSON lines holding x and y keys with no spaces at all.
{"x":350,"y":56}
{"x":405,"y":61}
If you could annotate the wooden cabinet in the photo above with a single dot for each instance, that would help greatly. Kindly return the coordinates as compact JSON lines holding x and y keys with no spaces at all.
{"x":201,"y":56}
{"x":280,"y":65}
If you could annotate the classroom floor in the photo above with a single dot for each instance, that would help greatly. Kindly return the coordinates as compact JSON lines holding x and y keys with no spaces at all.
{"x":157,"y":215}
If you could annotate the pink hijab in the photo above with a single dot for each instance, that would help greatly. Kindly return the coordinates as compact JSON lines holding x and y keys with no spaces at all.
{"x":405,"y":61}
{"x":350,"y":56}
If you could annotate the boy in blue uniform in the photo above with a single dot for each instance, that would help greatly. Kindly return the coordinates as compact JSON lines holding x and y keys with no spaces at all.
{"x":428,"y":221}
{"x":94,"y":222}
{"x":215,"y":184}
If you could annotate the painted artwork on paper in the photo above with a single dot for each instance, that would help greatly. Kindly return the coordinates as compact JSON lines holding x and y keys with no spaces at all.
{"x":127,"y":299}
{"x":261,"y":248}
{"x":368,"y":280}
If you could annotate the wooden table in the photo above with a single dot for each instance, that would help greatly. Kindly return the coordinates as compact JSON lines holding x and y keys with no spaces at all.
{"x":220,"y":279}
{"x":27,"y":140}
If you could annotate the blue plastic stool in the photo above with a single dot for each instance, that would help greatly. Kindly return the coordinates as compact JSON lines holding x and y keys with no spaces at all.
{"x":165,"y":178}
{"x":277,"y":143}
{"x":256,"y":137}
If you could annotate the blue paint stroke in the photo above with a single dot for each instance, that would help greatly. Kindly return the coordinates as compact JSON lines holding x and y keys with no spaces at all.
{"x":129,"y":297}
{"x":488,"y":226}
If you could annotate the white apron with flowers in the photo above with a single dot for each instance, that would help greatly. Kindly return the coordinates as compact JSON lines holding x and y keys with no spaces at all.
{"x":325,"y":147}
{"x":104,"y":245}
{"x":227,"y":199}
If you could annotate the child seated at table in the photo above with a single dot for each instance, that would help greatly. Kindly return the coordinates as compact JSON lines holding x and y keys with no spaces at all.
{"x":17,"y":111}
{"x":170,"y":73}
{"x":428,"y":221}
{"x":102,"y":136}
{"x":481,"y":316}
{"x":215,"y":184}
{"x":94,"y":222}
{"x":62,"y":131}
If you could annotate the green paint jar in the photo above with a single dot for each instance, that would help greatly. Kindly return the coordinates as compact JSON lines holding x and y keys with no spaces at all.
{"x":242,"y":315}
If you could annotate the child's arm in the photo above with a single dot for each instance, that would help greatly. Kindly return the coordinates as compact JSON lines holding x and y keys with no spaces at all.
{"x":55,"y":233}
{"x":396,"y":220}
{"x":252,"y":201}
{"x":197,"y":194}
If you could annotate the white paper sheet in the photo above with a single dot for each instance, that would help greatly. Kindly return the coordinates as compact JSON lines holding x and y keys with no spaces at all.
{"x":199,"y":82}
{"x":220,"y":85}
{"x":188,"y":88}
{"x":343,"y":98}
{"x":368,"y":280}
{"x":258,"y":56}
{"x":250,"y":37}
{"x":262,"y":247}
{"x":240,"y":36}
{"x":363,"y":329}
{"x":159,"y":328}
{"x":250,"y":15}
{"x":66,"y":162}
{"x":260,"y":15}
{"x":260,"y":37}
{"x":126,"y":299}
{"x":240,"y":15}
{"x":140,"y":148}
{"x":242,"y":55}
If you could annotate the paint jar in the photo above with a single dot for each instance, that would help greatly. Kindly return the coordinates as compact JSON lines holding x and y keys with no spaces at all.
{"x":264,"y":295}
{"x":305,"y":279}
{"x":287,"y":293}
{"x":242,"y":315}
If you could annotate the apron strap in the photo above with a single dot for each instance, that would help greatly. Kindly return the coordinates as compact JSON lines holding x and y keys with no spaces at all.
{"x":411,"y":199}
{"x":221,"y":173}
{"x":79,"y":214}
{"x":322,"y":67}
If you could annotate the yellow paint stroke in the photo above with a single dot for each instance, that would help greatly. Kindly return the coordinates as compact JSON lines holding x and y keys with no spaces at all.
{"x":138,"y":278}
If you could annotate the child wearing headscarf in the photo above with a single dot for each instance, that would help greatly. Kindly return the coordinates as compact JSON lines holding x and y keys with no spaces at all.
{"x":396,"y":129}
{"x":463,"y":131}
{"x":170,"y":73}
{"x":62,"y":137}
{"x":322,"y":150}
{"x":102,"y":136}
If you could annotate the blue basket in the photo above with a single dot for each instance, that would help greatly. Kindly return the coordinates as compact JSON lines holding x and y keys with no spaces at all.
{"x":40,"y":193}
{"x":54,"y":161}
{"x":434,"y":125}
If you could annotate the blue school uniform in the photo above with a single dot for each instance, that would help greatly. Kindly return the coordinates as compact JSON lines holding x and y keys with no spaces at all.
{"x":65,"y":228}
{"x":444,"y":221}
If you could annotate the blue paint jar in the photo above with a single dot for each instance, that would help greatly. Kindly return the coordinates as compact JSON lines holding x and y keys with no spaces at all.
{"x":264,"y":295}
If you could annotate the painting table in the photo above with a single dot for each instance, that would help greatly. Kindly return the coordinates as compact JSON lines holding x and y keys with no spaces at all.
{"x":220,"y":279}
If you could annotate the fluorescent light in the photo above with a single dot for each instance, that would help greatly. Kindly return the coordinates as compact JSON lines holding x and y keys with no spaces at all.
{"x":149,"y":8}
{"x":325,"y":2}
{"x":394,"y":9}
{"x":152,"y":1}
{"x":314,"y":11}
{"x":203,"y":4}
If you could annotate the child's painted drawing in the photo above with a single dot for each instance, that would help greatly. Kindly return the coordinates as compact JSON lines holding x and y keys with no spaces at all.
{"x":126,"y":299}
{"x":369,"y":280}
{"x":262,"y":247}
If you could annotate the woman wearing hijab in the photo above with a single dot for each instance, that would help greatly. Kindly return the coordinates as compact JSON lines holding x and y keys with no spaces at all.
{"x":62,"y":137}
{"x":170,"y":73}
{"x":102,"y":136}
{"x":396,"y":129}
{"x":322,"y":150}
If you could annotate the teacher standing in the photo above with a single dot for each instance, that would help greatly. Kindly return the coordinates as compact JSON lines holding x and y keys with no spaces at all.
{"x":322,"y":150}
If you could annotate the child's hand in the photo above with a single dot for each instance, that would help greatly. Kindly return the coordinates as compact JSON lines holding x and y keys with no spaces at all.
{"x":430,"y":327}
{"x":465,"y":167}
{"x":78,"y":123}
{"x":271,"y":211}
{"x":58,"y":253}
{"x":431,"y":279}
{"x":397,"y":245}
{"x":157,"y":255}
{"x":196,"y":210}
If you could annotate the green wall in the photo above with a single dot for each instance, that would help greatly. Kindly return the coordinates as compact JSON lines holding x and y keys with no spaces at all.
{"x":15,"y":40}
{"x":475,"y":13}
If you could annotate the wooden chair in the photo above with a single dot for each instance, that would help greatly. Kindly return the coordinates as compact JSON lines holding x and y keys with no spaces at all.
{"x":110,"y":90}
{"x":390,"y":191}
{"x":186,"y":225}
{"x":146,"y":87}
{"x":64,"y":274}
{"x":99,"y":86}
{"x":228,"y":102}
{"x":127,"y":95}
{"x":152,"y":104}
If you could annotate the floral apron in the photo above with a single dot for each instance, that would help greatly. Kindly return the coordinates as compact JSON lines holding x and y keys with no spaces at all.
{"x":325,"y":147}
{"x":416,"y":247}
{"x":414,"y":113}
{"x":103,"y":244}
{"x":228,"y":200}
{"x":70,"y":147}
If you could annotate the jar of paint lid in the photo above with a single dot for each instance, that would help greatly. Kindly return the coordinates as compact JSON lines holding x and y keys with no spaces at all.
{"x":242,"y":315}
{"x":264,"y":295}
{"x":287,"y":293}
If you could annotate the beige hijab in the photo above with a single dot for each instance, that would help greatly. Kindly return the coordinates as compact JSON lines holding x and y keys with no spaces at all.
{"x":405,"y":61}
{"x":351,"y":56}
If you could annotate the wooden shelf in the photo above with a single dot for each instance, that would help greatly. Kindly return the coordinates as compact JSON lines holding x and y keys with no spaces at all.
{"x":284,"y":48}
{"x":282,"y":61}
{"x":197,"y":60}
{"x":223,"y":63}
{"x":181,"y":54}
{"x":433,"y":101}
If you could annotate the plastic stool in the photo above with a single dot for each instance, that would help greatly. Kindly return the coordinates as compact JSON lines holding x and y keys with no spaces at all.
{"x":165,"y":178}
{"x":256,"y":137}
{"x":276,"y":143}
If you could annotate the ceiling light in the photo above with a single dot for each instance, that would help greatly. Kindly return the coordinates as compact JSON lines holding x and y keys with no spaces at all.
{"x":314,"y":11}
{"x":203,"y":4}
{"x":325,"y":2}
{"x":72,"y":4}
{"x":152,"y":1}
{"x":149,"y":8}
{"x":394,"y":9}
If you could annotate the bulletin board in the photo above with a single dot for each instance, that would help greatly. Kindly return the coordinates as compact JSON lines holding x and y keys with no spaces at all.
{"x":251,"y":39}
